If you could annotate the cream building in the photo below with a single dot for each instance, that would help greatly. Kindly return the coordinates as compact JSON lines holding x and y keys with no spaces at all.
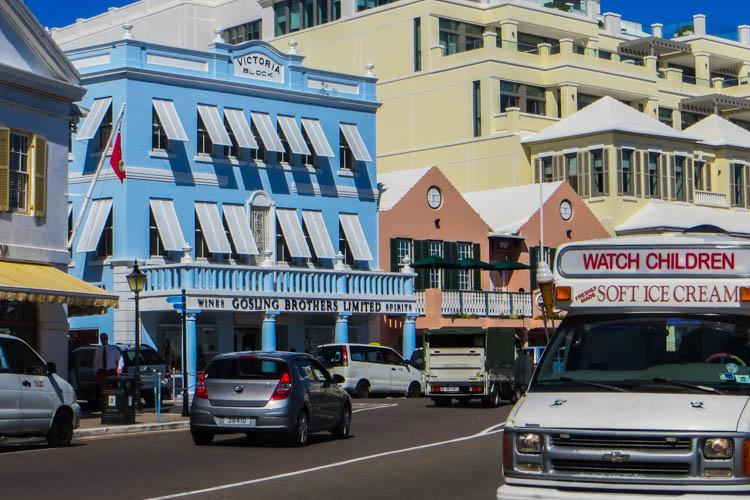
{"x":465,"y":85}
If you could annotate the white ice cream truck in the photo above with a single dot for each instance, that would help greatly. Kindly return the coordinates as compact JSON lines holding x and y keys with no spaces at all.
{"x":644,"y":390}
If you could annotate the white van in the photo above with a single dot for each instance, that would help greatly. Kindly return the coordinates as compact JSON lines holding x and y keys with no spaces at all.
{"x":33,"y":400}
{"x":371,"y":368}
{"x":644,"y":390}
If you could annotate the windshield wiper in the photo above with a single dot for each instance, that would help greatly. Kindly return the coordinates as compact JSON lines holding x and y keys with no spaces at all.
{"x":593,"y":384}
{"x":677,"y":383}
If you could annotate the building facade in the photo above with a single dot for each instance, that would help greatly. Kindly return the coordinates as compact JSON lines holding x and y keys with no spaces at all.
{"x":38,"y":91}
{"x":250,"y":184}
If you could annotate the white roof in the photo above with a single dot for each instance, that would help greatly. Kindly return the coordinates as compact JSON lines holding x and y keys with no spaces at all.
{"x":717,"y":131}
{"x":671,"y":216}
{"x":506,"y":210}
{"x":605,"y":115}
{"x":394,"y":185}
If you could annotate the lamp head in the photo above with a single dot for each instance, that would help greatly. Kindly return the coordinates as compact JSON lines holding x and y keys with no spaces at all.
{"x":136,"y":279}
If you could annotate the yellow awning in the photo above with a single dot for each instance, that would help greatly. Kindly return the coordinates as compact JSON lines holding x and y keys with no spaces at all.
{"x":44,"y":283}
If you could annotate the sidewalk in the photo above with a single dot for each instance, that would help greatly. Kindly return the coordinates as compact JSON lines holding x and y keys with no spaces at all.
{"x":171,"y":418}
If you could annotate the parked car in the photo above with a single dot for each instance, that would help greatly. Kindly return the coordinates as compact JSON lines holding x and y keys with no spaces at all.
{"x":34,"y":401}
{"x":83,"y":375}
{"x":370,"y":368}
{"x":285,"y":392}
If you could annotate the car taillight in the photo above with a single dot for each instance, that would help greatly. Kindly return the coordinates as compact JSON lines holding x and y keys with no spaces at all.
{"x":344,"y":357}
{"x":506,"y":450}
{"x":283,"y":388}
{"x":746,"y":458}
{"x":200,"y":387}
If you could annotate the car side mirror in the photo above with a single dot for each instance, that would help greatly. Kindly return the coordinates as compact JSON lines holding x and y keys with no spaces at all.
{"x":419,"y":364}
{"x":338,"y":378}
{"x":51,"y":368}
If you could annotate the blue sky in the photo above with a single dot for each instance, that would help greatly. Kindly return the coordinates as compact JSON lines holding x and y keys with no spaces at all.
{"x":51,"y":13}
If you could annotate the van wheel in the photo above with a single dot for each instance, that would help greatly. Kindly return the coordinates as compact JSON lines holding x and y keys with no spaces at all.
{"x":202,"y":438}
{"x":414,"y":390}
{"x":363,"y":390}
{"x":61,"y":432}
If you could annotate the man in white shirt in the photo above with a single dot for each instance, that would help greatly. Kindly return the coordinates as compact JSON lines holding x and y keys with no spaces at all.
{"x":108,"y":362}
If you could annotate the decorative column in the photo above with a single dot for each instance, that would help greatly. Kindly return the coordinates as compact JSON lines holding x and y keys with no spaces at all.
{"x":342,"y":327}
{"x":509,"y":34}
{"x":191,"y":341}
{"x":268,"y":332}
{"x":410,"y":335}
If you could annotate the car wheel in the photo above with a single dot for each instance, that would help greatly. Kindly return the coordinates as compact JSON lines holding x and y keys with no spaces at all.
{"x":414,"y":390}
{"x":202,"y":438}
{"x":61,"y":432}
{"x":302,"y":430}
{"x":363,"y":390}
{"x":442,"y":402}
{"x":345,"y":423}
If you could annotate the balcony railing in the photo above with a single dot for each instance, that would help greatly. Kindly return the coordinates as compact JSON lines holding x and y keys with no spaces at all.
{"x":482,"y":304}
{"x":317,"y":282}
{"x":711,"y":199}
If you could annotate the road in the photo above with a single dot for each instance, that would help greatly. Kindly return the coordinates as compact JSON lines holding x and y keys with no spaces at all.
{"x":399,"y":448}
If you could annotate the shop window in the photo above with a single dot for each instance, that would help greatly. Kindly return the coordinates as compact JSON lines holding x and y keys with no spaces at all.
{"x":243,"y":33}
{"x":155,"y":244}
{"x":159,"y":139}
{"x":106,"y":240}
{"x":458,"y":37}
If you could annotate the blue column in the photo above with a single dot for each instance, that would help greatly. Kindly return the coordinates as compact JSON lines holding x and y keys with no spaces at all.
{"x":410,"y":335}
{"x":342,"y":327}
{"x":191,"y":333}
{"x":268,"y":342}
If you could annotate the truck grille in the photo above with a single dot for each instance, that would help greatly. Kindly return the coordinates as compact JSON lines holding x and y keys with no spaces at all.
{"x":620,"y":442}
{"x":622,"y":469}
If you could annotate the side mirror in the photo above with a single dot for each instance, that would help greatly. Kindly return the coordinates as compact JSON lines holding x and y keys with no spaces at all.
{"x":51,"y":368}
{"x":338,"y":378}
{"x":419,"y":364}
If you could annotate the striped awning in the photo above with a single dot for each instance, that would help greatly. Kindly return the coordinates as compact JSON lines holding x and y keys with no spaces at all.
{"x":268,"y":134}
{"x":168,"y":225}
{"x":292,"y":231}
{"x":41,"y":283}
{"x":213,"y":228}
{"x":316,"y":228}
{"x":240,"y":128}
{"x":169,"y":120}
{"x":357,"y":145}
{"x":214,"y":125}
{"x":293,"y":135}
{"x":239,"y":227}
{"x":92,"y":231}
{"x":355,"y":236}
{"x":317,"y":137}
{"x":90,"y":127}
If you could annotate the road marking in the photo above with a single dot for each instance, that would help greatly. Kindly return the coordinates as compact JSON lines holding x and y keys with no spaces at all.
{"x":377,"y":407}
{"x":486,"y":432}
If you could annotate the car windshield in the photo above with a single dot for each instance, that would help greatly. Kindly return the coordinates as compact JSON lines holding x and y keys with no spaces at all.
{"x":331,"y":356}
{"x":664,"y":353}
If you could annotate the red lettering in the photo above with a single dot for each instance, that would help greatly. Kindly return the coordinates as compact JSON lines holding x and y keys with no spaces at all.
{"x":728,"y":261}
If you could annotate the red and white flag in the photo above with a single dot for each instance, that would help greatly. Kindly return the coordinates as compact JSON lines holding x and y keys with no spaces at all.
{"x":116,"y":159}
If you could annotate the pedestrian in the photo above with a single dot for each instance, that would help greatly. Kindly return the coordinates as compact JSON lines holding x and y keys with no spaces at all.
{"x":108,"y":362}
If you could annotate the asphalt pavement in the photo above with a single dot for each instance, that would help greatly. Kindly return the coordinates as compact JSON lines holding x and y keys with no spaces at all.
{"x":399,"y":448}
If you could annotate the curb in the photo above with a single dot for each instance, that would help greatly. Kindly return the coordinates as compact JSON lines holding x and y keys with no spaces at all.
{"x":130,"y":429}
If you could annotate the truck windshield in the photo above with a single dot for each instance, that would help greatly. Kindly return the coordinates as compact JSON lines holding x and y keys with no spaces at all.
{"x":661,"y":353}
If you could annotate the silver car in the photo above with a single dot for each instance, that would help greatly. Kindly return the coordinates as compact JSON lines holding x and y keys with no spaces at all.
{"x":286,"y":392}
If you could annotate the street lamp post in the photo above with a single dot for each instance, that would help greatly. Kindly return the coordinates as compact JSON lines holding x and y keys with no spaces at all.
{"x":137,"y":282}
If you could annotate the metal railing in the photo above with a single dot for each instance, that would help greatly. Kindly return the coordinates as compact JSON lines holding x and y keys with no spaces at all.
{"x":486,"y":304}
{"x":710,"y":199}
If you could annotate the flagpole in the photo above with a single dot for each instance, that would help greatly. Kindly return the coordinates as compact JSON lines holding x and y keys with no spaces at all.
{"x":87,"y":199}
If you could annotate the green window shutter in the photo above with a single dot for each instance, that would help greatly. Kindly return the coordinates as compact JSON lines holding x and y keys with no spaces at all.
{"x":477,"y":272}
{"x":450,"y":280}
{"x":420,"y":252}
{"x":40,"y":177}
{"x":394,"y":255}
{"x":4,"y":169}
{"x":533,"y":260}
{"x":552,"y":252}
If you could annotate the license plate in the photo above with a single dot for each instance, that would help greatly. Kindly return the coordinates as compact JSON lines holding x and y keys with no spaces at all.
{"x":244,"y":421}
{"x":449,"y":389}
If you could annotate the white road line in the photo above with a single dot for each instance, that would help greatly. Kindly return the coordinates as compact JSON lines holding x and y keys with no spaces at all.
{"x":487,"y":432}
{"x":374,"y":407}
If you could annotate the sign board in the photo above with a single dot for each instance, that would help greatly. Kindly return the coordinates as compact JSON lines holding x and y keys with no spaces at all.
{"x":698,"y":262}
{"x":309,"y":305}
{"x":258,"y":66}
{"x":655,"y":293}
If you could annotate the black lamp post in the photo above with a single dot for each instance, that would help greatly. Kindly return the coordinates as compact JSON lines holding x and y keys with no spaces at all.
{"x":137,"y":282}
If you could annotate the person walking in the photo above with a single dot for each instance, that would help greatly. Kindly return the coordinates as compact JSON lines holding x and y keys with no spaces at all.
{"x":108,"y":362}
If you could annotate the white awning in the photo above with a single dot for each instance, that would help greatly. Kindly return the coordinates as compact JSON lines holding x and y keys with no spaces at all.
{"x":240,"y":128}
{"x":168,"y":225}
{"x":355,"y":236}
{"x":316,"y":228}
{"x":92,"y":231}
{"x":293,"y":135}
{"x":94,"y":119}
{"x":317,"y":137}
{"x":169,"y":120}
{"x":213,"y":227}
{"x":239,"y":228}
{"x":268,"y":134}
{"x":355,"y":142}
{"x":214,"y":124}
{"x":293,"y":235}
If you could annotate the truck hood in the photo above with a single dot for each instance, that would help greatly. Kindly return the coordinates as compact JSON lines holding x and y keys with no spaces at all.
{"x":649,"y":412}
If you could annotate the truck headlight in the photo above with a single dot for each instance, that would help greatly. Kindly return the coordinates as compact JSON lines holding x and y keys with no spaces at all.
{"x":529,"y":443}
{"x":721,"y":448}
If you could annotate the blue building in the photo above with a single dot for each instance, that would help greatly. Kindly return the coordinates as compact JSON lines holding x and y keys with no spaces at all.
{"x":250,"y":185}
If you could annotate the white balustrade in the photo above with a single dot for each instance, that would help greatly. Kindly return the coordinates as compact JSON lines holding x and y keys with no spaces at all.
{"x":711,"y":199}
